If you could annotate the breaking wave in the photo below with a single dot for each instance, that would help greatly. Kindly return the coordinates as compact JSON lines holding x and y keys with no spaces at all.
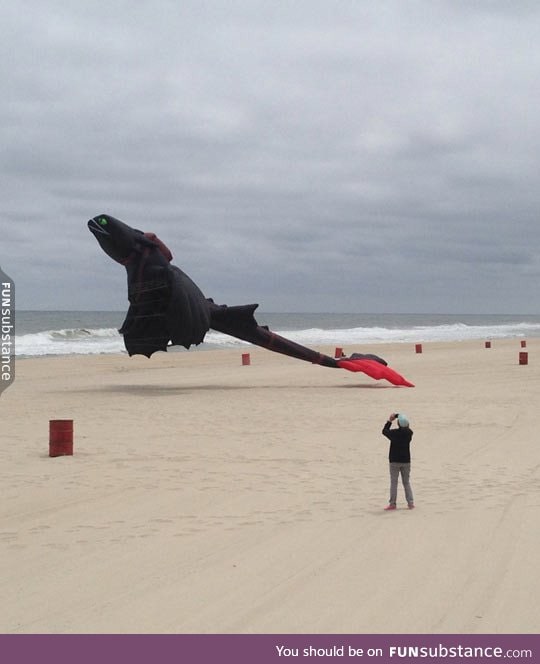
{"x":88,"y":341}
{"x":75,"y":341}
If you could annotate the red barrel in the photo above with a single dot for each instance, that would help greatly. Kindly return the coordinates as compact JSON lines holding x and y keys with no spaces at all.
{"x":418,"y":348}
{"x":339,"y":352}
{"x":246,"y":360}
{"x":488,"y":344}
{"x":60,"y":438}
{"x":524,"y":358}
{"x":523,"y":343}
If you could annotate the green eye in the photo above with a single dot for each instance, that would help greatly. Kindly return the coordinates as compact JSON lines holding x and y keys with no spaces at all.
{"x":102,"y":221}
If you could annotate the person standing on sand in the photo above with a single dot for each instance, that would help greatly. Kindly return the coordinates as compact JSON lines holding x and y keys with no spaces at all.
{"x":399,"y":457}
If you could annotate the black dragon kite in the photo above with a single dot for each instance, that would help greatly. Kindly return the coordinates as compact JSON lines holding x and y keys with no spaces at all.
{"x":165,"y":305}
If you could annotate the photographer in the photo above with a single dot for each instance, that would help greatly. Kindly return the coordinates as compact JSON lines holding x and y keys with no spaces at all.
{"x":399,"y":457}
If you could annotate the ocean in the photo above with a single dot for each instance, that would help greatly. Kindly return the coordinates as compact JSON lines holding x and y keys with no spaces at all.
{"x":39,"y":333}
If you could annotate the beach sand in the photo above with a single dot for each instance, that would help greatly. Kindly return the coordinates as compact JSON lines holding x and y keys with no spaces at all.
{"x":205,"y":496}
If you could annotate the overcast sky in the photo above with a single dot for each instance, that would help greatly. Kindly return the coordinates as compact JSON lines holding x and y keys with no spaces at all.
{"x":309,"y":155}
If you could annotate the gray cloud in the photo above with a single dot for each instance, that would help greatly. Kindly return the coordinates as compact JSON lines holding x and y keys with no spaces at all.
{"x":314,"y":155}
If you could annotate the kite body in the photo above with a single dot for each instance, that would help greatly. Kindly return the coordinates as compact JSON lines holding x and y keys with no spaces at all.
{"x":165,"y":305}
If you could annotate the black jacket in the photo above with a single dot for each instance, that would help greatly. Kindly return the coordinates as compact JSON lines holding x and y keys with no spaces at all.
{"x":400,"y":440}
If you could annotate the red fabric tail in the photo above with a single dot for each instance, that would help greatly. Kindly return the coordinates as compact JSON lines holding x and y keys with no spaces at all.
{"x":374,"y":370}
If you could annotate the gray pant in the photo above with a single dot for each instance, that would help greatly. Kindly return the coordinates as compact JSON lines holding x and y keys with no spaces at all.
{"x":405,"y":470}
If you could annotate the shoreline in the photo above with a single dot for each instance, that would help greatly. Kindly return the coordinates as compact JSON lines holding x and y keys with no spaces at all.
{"x":205,"y":496}
{"x":327,"y":349}
{"x":55,"y":334}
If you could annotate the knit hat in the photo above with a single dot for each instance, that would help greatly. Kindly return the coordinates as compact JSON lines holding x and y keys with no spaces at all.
{"x":403,"y":420}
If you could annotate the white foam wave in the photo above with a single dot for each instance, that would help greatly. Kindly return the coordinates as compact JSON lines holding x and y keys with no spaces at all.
{"x":75,"y":341}
{"x":374,"y":335}
{"x":82,"y":341}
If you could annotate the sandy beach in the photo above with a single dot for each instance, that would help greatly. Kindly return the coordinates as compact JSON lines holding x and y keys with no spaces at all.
{"x":205,"y":496}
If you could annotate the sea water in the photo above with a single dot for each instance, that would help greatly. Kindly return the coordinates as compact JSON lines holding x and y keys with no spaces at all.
{"x":96,"y":332}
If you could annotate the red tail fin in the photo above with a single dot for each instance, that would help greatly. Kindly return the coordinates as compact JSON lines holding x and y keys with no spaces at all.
{"x":374,"y":370}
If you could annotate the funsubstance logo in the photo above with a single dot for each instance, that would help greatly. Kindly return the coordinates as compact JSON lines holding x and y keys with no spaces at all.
{"x":7,"y":339}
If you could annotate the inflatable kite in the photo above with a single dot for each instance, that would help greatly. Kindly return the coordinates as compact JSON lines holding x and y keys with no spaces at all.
{"x":165,"y":305}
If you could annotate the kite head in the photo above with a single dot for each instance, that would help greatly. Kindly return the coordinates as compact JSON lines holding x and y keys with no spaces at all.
{"x":118,"y":240}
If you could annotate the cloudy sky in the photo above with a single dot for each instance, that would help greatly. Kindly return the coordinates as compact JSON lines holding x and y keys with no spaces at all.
{"x":309,"y":155}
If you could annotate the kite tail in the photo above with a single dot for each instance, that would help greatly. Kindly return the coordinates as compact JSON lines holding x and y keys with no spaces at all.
{"x":374,"y":370}
{"x":272,"y":341}
{"x":240,"y":322}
